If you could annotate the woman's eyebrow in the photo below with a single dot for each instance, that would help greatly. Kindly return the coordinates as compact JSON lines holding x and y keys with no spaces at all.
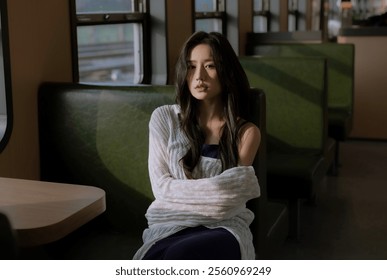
{"x":206,"y":60}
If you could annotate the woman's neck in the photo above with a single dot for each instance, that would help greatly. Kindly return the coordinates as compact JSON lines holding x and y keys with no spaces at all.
{"x":211,"y":120}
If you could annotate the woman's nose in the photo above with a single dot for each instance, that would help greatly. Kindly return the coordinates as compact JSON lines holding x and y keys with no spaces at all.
{"x":199,"y":74}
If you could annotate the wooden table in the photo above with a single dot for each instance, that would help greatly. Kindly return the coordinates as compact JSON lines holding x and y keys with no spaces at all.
{"x":43,"y":212}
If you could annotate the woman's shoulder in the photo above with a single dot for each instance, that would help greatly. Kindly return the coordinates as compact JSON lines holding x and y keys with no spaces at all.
{"x":165,"y":110}
{"x":249,"y":127}
{"x":250,"y":130}
{"x":165,"y":113}
{"x":250,"y":140}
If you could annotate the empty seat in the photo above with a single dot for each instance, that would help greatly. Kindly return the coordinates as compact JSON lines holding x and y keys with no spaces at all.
{"x":340,"y":78}
{"x":299,"y":151}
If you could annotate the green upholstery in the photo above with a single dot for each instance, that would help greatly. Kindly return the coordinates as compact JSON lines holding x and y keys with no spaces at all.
{"x":292,"y":93}
{"x":296,"y":118}
{"x":299,"y":151}
{"x":272,"y":224}
{"x":340,"y":72}
{"x":98,"y":135}
{"x":340,"y":65}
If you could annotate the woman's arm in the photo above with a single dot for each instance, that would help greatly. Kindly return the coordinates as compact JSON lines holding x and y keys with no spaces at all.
{"x":250,"y":140}
{"x":235,"y":185}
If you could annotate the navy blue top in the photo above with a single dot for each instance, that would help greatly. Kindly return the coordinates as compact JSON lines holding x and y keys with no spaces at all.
{"x":210,"y":150}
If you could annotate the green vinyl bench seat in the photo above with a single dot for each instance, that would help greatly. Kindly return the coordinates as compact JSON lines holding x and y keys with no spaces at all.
{"x":299,"y":151}
{"x":340,"y":78}
{"x":98,"y":135}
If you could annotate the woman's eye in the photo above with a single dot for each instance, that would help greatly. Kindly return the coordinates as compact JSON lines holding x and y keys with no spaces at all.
{"x":210,"y":66}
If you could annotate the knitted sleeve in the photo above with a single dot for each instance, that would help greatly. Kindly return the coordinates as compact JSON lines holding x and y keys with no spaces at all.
{"x":234,"y":186}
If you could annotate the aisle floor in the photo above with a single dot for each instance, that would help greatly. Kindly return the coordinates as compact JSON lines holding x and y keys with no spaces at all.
{"x":349,"y":219}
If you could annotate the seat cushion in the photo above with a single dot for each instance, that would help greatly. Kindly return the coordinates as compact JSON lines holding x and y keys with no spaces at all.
{"x":293,"y":175}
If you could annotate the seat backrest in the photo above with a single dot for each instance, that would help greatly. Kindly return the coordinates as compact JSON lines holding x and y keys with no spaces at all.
{"x":340,"y":67}
{"x":8,"y":246}
{"x":257,"y":112}
{"x":296,"y":100}
{"x":283,"y":37}
{"x":98,"y":135}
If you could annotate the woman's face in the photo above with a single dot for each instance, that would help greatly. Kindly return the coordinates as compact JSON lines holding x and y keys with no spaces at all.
{"x":202,"y":78}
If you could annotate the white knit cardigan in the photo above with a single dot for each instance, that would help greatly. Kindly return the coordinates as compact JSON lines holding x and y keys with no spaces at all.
{"x":218,"y":199}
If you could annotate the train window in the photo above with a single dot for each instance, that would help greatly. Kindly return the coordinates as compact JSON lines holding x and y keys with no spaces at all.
{"x":293,"y":15}
{"x":108,"y":36}
{"x":5,"y":79}
{"x":210,"y":15}
{"x":261,"y":15}
{"x":304,"y":15}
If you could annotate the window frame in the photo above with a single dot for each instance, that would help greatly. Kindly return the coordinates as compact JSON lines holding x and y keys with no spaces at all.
{"x":294,"y":13}
{"x":141,"y":16}
{"x":263,"y":12}
{"x":7,"y":74}
{"x":220,"y":13}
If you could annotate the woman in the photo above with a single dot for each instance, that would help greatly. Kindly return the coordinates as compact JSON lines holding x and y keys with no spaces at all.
{"x":200,"y":155}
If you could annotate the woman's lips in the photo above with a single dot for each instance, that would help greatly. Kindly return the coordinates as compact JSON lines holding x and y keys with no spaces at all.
{"x":201,"y":87}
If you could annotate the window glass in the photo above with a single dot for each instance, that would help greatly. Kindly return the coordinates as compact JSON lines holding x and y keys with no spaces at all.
{"x":261,"y":15}
{"x":261,"y":5}
{"x":103,"y":6}
{"x":260,"y":24}
{"x":293,"y":15}
{"x":110,"y":41}
{"x":3,"y":103}
{"x":205,"y":5}
{"x":5,"y":79}
{"x":210,"y":15}
{"x":106,"y":54}
{"x":208,"y":25}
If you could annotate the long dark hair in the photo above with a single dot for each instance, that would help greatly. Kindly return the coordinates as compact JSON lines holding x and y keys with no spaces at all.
{"x":235,"y":89}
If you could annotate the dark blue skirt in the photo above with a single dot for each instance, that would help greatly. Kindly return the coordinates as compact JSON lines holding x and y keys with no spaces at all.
{"x":198,"y":243}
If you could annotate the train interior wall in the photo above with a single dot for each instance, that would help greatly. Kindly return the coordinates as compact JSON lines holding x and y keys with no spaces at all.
{"x":40,"y":50}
